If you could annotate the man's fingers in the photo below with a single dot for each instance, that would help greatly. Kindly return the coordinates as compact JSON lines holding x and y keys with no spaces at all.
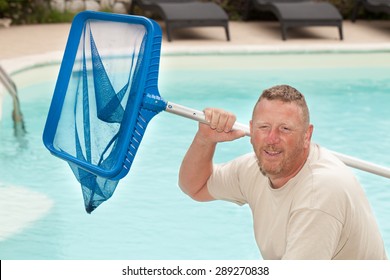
{"x":230,"y":122}
{"x":219,"y":120}
{"x":215,"y":119}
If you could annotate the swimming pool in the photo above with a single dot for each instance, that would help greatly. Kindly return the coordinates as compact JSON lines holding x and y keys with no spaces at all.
{"x":148,"y":217}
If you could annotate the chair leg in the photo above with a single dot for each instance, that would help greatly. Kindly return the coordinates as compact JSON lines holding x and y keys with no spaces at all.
{"x":169,"y":31}
{"x":227,"y":32}
{"x":284,"y":32}
{"x":341,"y":32}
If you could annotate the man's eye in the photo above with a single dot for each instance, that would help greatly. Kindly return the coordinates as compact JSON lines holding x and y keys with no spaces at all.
{"x":285,"y":129}
{"x":263,"y":127}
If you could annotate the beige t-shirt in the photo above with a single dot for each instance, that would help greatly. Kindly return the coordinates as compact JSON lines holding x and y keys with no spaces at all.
{"x":321,"y":213}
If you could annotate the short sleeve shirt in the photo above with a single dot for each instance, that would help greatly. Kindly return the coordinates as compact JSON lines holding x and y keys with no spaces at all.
{"x":321,"y":213}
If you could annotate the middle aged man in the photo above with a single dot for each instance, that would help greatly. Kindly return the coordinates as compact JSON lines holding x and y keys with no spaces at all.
{"x":306,"y":203}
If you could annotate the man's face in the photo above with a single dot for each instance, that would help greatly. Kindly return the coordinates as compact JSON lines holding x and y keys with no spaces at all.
{"x":279,"y":138}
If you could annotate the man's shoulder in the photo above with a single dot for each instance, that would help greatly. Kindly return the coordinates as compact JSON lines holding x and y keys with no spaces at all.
{"x":324,"y":164}
{"x":328,"y":175}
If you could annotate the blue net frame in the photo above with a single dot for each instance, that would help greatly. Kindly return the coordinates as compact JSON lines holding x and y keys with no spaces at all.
{"x":104,"y":100}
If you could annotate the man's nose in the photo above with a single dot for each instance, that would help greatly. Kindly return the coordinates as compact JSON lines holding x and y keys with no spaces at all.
{"x":273,"y":136}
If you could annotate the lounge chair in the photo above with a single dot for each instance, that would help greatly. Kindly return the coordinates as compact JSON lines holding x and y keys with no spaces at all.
{"x":299,"y":13}
{"x":187,"y":13}
{"x":375,"y":6}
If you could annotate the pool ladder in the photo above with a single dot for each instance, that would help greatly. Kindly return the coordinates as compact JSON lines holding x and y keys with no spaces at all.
{"x":17,"y":115}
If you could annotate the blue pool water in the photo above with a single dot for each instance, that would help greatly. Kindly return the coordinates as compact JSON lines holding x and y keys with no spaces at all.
{"x":148,"y":217}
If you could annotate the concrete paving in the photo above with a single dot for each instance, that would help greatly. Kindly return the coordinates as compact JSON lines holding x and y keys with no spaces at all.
{"x":31,"y":40}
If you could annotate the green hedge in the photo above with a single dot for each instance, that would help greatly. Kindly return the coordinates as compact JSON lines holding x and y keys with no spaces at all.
{"x":32,"y":11}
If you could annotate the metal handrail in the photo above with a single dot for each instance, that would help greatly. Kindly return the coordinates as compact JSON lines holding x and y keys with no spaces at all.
{"x":17,"y":115}
{"x":7,"y":82}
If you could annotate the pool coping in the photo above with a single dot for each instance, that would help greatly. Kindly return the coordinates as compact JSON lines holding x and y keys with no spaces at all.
{"x":14,"y":65}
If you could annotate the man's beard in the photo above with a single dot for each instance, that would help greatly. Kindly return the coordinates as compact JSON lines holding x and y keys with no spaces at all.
{"x":266,"y":172}
{"x":278,"y":168}
{"x":271,"y":169}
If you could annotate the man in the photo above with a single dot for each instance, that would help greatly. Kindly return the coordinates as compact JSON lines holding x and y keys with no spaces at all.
{"x":306,"y":204}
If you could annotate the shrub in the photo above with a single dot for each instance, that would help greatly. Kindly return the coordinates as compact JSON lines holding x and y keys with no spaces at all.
{"x":32,"y":11}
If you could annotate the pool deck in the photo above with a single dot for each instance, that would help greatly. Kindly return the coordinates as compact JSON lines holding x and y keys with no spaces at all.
{"x":24,"y":45}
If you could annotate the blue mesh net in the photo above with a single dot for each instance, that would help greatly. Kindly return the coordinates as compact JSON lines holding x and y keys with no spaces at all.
{"x":106,"y":94}
{"x":102,"y":86}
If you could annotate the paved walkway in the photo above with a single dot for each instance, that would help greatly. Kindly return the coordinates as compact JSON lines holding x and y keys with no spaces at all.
{"x":31,"y":40}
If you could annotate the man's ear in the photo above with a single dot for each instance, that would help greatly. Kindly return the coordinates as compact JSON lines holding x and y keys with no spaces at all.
{"x":250,"y":130}
{"x":308,"y":135}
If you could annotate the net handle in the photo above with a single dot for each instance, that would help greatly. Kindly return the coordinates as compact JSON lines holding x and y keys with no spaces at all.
{"x":199,"y":116}
{"x":348,"y":160}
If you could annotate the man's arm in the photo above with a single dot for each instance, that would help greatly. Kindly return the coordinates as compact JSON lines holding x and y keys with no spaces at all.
{"x":197,"y":165}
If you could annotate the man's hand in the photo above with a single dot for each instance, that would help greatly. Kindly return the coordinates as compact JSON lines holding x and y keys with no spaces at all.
{"x":220,"y":128}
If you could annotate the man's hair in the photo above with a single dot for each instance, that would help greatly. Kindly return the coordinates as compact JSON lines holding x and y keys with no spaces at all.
{"x":288,"y":94}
